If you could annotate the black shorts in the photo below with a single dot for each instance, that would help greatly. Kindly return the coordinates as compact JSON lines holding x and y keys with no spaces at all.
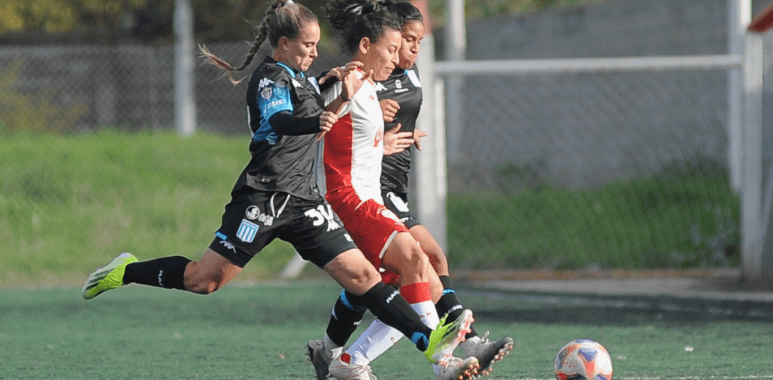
{"x":398,"y":204}
{"x":253,"y":219}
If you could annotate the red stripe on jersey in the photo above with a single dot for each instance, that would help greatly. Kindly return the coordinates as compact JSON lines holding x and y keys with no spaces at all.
{"x":338,"y":154}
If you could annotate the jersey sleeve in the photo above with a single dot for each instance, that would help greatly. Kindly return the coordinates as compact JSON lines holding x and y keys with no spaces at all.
{"x":274,"y":97}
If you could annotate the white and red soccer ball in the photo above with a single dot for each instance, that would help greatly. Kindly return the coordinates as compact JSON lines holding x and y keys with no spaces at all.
{"x":583,"y":359}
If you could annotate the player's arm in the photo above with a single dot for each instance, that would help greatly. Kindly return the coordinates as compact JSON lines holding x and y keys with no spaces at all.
{"x":394,"y":140}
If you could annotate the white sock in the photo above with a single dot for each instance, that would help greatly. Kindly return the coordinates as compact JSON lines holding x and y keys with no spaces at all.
{"x":427,"y":312}
{"x":379,"y":337}
{"x":332,"y":350}
{"x":373,"y":342}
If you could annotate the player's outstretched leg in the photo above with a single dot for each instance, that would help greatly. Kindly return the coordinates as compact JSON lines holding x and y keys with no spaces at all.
{"x":108,"y":277}
{"x":457,"y":369}
{"x":486,"y":351}
{"x":444,"y":340}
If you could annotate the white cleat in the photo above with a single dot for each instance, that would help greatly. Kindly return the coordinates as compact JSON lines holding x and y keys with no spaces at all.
{"x":341,"y":370}
{"x":457,"y":369}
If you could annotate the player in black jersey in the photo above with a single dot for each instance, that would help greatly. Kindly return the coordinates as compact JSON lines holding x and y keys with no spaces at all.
{"x":401,"y":97}
{"x":276,"y":195}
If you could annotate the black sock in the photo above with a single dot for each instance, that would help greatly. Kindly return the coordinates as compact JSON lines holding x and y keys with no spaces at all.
{"x":450,"y":304}
{"x":166,"y":272}
{"x":347,"y":315}
{"x":386,"y":303}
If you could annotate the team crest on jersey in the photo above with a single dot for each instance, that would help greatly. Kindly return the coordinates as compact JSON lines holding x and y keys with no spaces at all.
{"x":266,"y":93}
{"x":247,"y":231}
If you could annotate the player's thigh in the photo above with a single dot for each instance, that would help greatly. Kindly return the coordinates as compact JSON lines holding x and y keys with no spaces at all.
{"x":404,"y":256}
{"x":316,"y":232}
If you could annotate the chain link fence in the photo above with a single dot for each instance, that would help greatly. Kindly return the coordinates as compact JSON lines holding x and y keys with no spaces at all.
{"x":593,"y":170}
{"x":126,"y":87}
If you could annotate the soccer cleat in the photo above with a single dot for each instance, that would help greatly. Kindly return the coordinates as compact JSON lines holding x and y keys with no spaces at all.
{"x":315,"y":351}
{"x":458,"y":369}
{"x":341,"y":370}
{"x":486,"y":351}
{"x":108,"y":277}
{"x":444,"y":339}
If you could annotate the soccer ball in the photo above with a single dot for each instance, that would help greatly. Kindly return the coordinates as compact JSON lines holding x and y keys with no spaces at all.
{"x":583,"y":359}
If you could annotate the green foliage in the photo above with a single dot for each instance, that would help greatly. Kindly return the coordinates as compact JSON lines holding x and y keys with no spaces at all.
{"x":679,"y":219}
{"x":68,"y":204}
{"x":36,"y":112}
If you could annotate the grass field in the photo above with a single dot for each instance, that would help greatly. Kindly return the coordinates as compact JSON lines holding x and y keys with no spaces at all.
{"x":70,"y":203}
{"x":259,"y":332}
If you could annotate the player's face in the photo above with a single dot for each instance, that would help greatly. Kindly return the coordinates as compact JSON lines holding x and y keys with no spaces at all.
{"x":302,"y":50}
{"x":413,"y":33}
{"x":381,"y":56}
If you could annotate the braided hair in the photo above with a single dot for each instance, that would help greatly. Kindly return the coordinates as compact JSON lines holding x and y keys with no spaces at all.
{"x":357,"y":19}
{"x":284,"y":18}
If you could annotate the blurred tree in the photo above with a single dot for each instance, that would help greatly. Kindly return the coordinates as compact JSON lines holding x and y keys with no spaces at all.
{"x":215,"y":20}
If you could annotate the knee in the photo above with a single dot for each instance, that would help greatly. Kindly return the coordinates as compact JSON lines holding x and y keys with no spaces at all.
{"x":416,"y":260}
{"x":364,"y":277}
{"x":201,"y":283}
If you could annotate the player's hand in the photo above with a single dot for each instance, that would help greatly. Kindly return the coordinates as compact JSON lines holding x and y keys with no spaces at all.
{"x":417,"y":135}
{"x":351,"y":83}
{"x":326,"y":121}
{"x":389,"y":108}
{"x":396,"y":141}
{"x":341,"y":71}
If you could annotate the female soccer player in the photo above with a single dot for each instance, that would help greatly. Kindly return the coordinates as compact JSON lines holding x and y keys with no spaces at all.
{"x":276,"y":195}
{"x":400,"y":97}
{"x":353,"y":154}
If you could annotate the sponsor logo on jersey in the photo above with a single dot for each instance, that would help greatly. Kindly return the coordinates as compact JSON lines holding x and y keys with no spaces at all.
{"x":380,"y":87}
{"x":252,"y":213}
{"x":399,"y":87}
{"x":265,"y":82}
{"x":247,"y":231}
{"x":228,"y":245}
{"x":267,"y":220}
{"x":296,"y":83}
{"x":378,"y":138}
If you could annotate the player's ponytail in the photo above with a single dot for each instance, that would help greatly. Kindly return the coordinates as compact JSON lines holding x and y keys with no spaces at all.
{"x":283,"y":18}
{"x":357,"y":19}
